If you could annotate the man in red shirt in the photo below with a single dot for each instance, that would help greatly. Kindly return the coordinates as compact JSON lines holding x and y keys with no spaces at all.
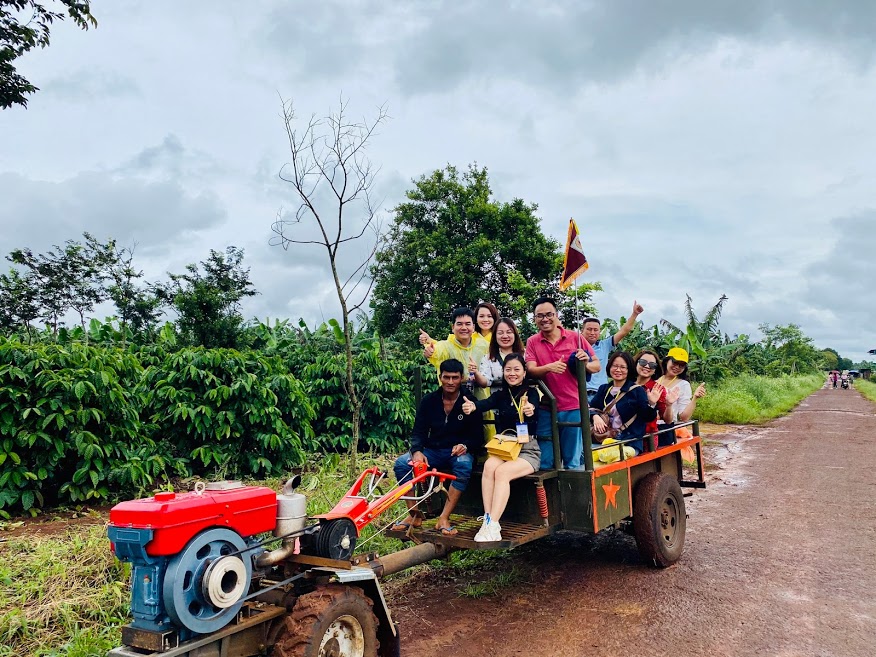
{"x":547,"y":355}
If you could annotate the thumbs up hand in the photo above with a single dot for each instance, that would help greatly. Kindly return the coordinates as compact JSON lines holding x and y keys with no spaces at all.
{"x":468,"y":406}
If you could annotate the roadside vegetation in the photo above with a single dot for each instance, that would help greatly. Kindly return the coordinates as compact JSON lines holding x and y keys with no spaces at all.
{"x":755,"y":399}
{"x":866,"y":388}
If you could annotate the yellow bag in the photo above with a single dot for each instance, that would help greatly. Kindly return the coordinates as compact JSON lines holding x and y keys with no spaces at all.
{"x":505,"y":446}
{"x":613,"y":455}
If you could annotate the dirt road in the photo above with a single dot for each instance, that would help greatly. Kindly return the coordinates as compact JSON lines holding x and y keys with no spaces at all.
{"x":780,"y":560}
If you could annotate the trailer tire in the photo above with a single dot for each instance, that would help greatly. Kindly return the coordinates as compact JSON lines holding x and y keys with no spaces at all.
{"x":335,"y":619}
{"x":659,"y":519}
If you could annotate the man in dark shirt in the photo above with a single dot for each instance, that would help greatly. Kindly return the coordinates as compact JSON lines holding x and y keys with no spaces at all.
{"x":444,"y":438}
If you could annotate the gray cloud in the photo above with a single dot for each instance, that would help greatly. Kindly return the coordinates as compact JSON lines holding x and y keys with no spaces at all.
{"x":565,"y":44}
{"x":88,"y":85}
{"x":154,"y":214}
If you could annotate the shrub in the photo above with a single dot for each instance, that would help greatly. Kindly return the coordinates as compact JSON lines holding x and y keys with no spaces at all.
{"x":754,"y":399}
{"x":235,"y":413}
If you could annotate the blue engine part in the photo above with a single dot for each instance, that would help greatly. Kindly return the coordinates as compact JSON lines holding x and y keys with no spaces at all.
{"x":197,"y":591}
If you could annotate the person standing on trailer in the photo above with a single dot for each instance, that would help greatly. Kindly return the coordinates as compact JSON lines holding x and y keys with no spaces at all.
{"x":592,"y":329}
{"x":547,"y":353}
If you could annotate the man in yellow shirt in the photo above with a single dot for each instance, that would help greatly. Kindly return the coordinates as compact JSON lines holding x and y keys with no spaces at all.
{"x":464,"y":344}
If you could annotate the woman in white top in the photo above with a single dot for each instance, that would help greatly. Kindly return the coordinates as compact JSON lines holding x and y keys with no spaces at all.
{"x":678,"y":390}
{"x":506,"y":340}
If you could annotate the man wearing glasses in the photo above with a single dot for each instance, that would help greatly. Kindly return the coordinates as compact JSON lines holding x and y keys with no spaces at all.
{"x":547,"y":358}
{"x":602,"y":348}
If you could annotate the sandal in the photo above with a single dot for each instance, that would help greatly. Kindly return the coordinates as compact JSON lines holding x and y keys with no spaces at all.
{"x":447,"y":531}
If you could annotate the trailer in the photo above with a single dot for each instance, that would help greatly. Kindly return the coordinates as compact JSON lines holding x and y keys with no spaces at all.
{"x":206,"y":584}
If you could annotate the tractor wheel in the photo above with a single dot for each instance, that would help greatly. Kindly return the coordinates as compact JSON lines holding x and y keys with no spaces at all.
{"x":335,"y":620}
{"x":659,"y":519}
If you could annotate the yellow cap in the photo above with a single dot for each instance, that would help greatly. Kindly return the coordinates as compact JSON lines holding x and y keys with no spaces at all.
{"x":678,"y":354}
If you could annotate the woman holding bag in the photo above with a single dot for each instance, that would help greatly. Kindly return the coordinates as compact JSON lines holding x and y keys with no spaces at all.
{"x":516,"y":408}
{"x":630,"y":407}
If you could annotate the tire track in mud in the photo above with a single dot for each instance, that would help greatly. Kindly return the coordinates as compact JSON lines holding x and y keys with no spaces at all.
{"x":780,"y":559}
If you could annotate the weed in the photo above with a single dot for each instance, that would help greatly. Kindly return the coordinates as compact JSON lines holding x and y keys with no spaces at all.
{"x":866,"y":388}
{"x":495,"y":584}
{"x":755,"y":399}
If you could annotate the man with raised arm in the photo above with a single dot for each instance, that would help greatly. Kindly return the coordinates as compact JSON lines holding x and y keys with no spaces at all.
{"x":465,"y":344}
{"x":547,"y":355}
{"x":602,"y":348}
{"x":444,"y":438}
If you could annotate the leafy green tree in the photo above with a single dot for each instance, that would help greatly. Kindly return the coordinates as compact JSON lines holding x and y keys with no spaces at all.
{"x":208,"y":302}
{"x":18,"y":37}
{"x":794,"y":352}
{"x":450,"y":245}
{"x":19,"y":302}
{"x":139,"y":307}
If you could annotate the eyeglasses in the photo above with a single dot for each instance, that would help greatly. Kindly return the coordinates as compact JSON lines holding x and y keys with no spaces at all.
{"x":545,"y":315}
{"x":619,"y":367}
{"x":647,"y":364}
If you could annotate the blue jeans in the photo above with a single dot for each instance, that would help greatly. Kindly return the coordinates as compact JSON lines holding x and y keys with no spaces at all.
{"x":571,"y":446}
{"x":440,"y":459}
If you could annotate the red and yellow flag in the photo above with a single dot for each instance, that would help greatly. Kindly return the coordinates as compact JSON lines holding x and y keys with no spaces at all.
{"x":574,"y":261}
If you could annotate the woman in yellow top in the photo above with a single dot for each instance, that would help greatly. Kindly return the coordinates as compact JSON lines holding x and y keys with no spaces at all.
{"x":486,"y":316}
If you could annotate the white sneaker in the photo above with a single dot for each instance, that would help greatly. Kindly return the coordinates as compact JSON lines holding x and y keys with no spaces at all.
{"x":494,"y":531}
{"x":483,"y":534}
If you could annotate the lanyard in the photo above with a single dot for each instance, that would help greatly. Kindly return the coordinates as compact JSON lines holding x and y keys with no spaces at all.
{"x":518,"y":404}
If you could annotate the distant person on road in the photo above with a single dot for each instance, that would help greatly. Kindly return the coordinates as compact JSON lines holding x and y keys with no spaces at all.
{"x":833,"y":378}
{"x":516,"y":411}
{"x":444,"y":438}
{"x":591,"y":330}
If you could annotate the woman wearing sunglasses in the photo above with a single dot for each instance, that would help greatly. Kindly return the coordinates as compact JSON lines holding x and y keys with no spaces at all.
{"x":630,"y":406}
{"x":647,"y":367}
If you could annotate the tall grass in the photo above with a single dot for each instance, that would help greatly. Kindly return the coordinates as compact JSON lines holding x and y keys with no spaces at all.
{"x":755,"y":399}
{"x":866,"y":388}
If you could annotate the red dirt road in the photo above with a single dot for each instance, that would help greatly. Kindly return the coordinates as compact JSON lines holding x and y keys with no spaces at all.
{"x":780,"y":560}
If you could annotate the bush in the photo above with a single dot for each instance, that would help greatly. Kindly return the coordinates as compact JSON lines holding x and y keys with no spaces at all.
{"x":239,"y":413}
{"x":755,"y":399}
{"x":70,"y":424}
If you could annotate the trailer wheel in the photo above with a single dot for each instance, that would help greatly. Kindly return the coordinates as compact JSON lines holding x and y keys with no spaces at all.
{"x":659,"y":519}
{"x":335,"y":620}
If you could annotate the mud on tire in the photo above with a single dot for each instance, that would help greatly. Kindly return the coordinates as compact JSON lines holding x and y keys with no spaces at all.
{"x":659,"y":519}
{"x":334,"y":620}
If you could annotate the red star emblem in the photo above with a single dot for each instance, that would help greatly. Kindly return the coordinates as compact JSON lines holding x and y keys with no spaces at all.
{"x":611,"y":490}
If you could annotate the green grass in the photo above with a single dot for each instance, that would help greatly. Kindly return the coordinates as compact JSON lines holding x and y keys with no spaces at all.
{"x":866,"y":388}
{"x":61,"y":595}
{"x":755,"y":399}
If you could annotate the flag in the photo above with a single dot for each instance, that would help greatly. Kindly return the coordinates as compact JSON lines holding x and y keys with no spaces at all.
{"x":574,"y":261}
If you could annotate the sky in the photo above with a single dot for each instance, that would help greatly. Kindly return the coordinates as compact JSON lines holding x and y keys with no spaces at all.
{"x":703,"y":148}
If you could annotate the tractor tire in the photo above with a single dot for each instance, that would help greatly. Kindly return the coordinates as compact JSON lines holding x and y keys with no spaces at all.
{"x":335,"y":620}
{"x":659,"y":519}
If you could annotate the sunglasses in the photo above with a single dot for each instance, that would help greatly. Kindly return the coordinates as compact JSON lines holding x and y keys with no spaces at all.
{"x":647,"y":364}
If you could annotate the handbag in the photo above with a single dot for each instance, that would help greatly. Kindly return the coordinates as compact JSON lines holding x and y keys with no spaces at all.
{"x":610,"y":432}
{"x":505,"y":445}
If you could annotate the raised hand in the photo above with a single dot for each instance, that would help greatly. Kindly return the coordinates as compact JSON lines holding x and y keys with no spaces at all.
{"x":528,"y":409}
{"x":429,"y":350}
{"x":701,"y":391}
{"x":472,"y":366}
{"x":654,"y":394}
{"x":425,"y":338}
{"x":468,"y":406}
{"x":672,"y":395}
{"x":637,"y":309}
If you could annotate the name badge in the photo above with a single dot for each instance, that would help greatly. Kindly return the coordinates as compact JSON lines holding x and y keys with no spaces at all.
{"x":522,"y":432}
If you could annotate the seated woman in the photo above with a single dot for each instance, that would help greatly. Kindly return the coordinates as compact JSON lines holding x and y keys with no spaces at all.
{"x":647,"y":367}
{"x":679,"y":397}
{"x":516,"y":407}
{"x":630,"y":406}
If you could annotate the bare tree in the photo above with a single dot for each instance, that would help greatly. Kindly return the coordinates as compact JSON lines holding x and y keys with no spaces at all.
{"x":333,"y":182}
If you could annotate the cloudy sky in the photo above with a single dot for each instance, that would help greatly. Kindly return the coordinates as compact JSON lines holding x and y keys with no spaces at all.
{"x":703,"y":147}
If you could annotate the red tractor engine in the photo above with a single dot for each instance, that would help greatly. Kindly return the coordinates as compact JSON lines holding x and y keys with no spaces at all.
{"x":193,"y":554}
